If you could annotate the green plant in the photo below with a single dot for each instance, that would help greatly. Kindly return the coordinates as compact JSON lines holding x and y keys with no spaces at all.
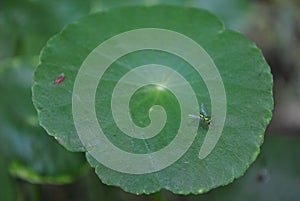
{"x":244,"y":75}
{"x":30,"y":153}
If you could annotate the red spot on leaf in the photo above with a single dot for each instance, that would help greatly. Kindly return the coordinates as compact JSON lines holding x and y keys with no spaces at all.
{"x":59,"y":79}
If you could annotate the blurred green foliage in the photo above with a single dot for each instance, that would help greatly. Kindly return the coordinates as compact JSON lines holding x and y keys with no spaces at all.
{"x":26,"y":25}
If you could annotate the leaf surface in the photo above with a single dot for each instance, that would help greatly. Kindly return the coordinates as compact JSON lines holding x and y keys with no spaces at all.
{"x":243,"y":71}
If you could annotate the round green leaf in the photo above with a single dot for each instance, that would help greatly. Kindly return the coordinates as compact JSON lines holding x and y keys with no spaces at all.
{"x":32,"y":154}
{"x":119,"y":65}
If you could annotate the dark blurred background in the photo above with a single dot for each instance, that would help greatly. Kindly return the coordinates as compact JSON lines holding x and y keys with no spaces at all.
{"x":25,"y":27}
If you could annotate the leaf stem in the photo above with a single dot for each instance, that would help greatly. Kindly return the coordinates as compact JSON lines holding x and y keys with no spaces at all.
{"x":158,"y":196}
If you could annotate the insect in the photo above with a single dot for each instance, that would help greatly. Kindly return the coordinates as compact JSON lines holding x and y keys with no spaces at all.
{"x":59,"y":79}
{"x":203,"y":117}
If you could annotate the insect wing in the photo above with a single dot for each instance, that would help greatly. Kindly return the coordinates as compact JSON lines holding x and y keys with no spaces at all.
{"x":203,"y":110}
{"x":194,"y":116}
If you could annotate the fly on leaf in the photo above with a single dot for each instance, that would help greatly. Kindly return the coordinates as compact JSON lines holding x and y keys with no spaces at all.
{"x":202,"y":116}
